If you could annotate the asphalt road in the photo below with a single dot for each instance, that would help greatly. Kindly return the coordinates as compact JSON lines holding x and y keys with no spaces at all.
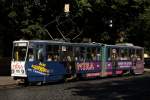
{"x":112,"y":88}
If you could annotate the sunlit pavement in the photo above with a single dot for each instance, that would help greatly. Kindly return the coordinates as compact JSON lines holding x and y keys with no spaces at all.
{"x":6,"y":80}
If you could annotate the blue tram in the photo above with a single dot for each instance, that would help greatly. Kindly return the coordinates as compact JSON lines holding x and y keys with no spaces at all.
{"x":45,"y":61}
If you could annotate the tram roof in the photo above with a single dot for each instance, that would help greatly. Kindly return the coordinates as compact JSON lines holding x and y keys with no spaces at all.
{"x":60,"y":42}
{"x":124,"y":46}
{"x":17,"y":41}
{"x":78,"y":44}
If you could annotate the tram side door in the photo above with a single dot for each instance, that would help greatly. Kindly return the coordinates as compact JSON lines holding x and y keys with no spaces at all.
{"x":42,"y":67}
{"x":114,"y":58}
{"x":138,"y":61}
{"x":37,"y":66}
{"x":103,"y":61}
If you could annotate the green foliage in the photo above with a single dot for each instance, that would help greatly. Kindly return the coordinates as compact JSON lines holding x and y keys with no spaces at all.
{"x":34,"y":31}
{"x":90,"y":18}
{"x":92,"y":15}
{"x":27,"y":21}
{"x":130,"y":17}
{"x":12,"y":14}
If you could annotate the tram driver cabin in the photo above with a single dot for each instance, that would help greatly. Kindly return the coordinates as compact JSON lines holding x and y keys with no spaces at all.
{"x":45,"y":61}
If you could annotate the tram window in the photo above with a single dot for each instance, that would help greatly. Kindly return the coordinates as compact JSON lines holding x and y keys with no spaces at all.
{"x":40,"y":54}
{"x":89,"y":54}
{"x":19,"y":53}
{"x":30,"y":54}
{"x":98,"y":54}
{"x":114,"y":53}
{"x":53,"y":52}
{"x":49,"y":53}
{"x":94,"y":53}
{"x":132,"y":53}
{"x":66,"y":53}
{"x":108,"y":54}
{"x":139,"y":54}
{"x":82,"y":54}
{"x":56,"y":51}
{"x":124,"y":54}
{"x":77,"y":53}
{"x":63,"y":48}
{"x":70,"y":54}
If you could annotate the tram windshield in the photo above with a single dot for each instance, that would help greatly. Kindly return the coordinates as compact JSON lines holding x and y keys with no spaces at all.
{"x":19,"y":51}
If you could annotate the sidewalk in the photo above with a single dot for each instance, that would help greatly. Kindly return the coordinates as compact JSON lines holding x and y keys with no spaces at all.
{"x":6,"y":80}
{"x":147,"y":69}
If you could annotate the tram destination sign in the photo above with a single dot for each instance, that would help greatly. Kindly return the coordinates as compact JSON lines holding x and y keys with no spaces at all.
{"x":21,"y":44}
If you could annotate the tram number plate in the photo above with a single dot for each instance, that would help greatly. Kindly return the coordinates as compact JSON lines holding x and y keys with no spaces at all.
{"x":17,"y":71}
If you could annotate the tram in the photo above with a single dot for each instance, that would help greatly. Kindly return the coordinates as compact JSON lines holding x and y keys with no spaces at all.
{"x":47,"y":60}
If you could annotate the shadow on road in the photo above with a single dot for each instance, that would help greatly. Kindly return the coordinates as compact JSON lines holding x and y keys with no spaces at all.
{"x":126,"y":89}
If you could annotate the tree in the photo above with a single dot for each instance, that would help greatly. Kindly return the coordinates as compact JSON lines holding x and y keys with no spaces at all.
{"x":43,"y":19}
{"x":124,"y":14}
